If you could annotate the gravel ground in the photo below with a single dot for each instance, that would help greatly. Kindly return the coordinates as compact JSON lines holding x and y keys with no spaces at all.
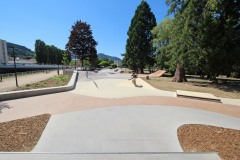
{"x":203,"y":138}
{"x":23,"y":134}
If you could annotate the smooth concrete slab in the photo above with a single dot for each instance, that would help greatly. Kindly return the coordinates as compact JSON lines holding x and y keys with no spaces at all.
{"x":197,"y":95}
{"x":139,"y":128}
{"x":107,"y":156}
{"x":118,"y":88}
{"x":235,"y":102}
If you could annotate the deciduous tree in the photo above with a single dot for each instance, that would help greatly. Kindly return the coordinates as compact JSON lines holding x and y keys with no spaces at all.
{"x":81,"y":41}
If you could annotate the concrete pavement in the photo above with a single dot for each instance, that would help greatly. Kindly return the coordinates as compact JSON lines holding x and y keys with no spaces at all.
{"x":118,"y":88}
{"x":137,"y":128}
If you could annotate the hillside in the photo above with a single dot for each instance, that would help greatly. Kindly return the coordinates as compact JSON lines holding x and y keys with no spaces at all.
{"x":20,"y":51}
{"x":102,"y":55}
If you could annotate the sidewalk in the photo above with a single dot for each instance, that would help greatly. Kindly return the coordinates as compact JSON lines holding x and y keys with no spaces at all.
{"x":10,"y":83}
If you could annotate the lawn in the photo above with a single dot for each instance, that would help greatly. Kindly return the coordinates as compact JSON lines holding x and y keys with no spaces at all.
{"x":229,"y":90}
{"x":60,"y":80}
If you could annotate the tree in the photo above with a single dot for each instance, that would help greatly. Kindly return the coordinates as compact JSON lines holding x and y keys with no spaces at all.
{"x":65,"y":59}
{"x":205,"y":36}
{"x":162,"y":34}
{"x":93,"y":60}
{"x":47,"y":54}
{"x":81,"y":41}
{"x":40,"y":49}
{"x":105,"y":62}
{"x":139,"y":50}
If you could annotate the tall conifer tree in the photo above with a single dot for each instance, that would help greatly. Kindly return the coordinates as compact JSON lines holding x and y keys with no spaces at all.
{"x":139,"y":50}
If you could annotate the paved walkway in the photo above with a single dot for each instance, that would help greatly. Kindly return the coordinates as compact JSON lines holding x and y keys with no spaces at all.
{"x":10,"y":83}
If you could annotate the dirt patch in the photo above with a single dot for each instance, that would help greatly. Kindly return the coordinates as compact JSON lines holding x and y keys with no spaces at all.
{"x":230,"y":90}
{"x":204,"y":138}
{"x":23,"y":134}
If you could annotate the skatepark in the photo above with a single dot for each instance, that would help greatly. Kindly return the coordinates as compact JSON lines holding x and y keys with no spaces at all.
{"x":107,"y":116}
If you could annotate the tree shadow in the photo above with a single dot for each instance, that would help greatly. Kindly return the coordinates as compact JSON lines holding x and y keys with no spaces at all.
{"x":227,"y":87}
{"x":3,"y":106}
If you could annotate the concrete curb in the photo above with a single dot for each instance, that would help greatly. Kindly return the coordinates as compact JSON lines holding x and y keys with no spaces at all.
{"x":42,"y":91}
{"x":110,"y":156}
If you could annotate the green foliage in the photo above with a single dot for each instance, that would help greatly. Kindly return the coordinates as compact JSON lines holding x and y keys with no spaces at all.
{"x":161,"y":41}
{"x":139,"y":50}
{"x":104,"y":64}
{"x":65,"y":59}
{"x":46,"y":54}
{"x":114,"y":66}
{"x":73,"y":62}
{"x":40,"y":48}
{"x":81,"y":42}
{"x":202,"y":37}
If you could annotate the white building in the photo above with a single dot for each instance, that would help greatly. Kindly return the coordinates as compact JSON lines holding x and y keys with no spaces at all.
{"x":3,"y":52}
{"x":118,"y":62}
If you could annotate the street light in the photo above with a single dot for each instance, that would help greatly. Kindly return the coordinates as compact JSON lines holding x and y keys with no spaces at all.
{"x":15,"y":68}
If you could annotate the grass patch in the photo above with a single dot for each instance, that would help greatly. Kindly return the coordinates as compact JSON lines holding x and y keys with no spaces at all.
{"x":229,"y":90}
{"x":60,"y":80}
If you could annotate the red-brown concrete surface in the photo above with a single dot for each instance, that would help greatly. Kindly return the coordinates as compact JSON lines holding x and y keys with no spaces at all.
{"x":69,"y":102}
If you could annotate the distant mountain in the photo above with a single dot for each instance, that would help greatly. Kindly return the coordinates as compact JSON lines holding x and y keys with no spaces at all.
{"x":20,"y":51}
{"x":102,"y":55}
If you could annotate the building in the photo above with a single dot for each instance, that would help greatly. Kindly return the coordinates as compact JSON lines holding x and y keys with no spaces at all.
{"x":3,"y":52}
{"x":118,"y":63}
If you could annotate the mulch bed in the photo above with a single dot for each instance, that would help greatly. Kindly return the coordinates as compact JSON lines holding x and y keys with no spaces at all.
{"x":23,"y":134}
{"x":204,"y":138}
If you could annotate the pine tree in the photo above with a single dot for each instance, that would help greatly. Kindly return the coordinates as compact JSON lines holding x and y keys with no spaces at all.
{"x":139,"y":50}
{"x":81,"y":41}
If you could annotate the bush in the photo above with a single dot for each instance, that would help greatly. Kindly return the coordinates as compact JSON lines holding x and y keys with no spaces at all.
{"x":114,"y":66}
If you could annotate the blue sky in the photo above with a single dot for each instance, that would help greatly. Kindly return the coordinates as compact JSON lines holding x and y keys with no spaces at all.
{"x":24,"y":21}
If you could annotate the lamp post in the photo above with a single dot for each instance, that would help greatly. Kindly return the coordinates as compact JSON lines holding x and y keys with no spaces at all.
{"x":15,"y":68}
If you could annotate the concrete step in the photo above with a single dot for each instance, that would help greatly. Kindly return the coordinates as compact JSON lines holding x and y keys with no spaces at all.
{"x":198,"y":95}
{"x":109,"y":156}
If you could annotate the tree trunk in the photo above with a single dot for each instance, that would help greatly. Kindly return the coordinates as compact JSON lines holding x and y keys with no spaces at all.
{"x":179,"y":74}
{"x":82,"y":63}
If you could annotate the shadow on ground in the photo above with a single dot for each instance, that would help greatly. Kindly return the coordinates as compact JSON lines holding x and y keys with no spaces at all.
{"x":4,"y":106}
{"x":229,"y":87}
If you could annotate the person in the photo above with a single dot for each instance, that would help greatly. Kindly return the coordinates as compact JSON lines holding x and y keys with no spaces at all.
{"x":133,"y":77}
{"x":86,"y":73}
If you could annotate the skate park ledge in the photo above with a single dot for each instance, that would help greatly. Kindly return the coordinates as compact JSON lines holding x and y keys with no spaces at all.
{"x":42,"y":91}
{"x":198,"y":95}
